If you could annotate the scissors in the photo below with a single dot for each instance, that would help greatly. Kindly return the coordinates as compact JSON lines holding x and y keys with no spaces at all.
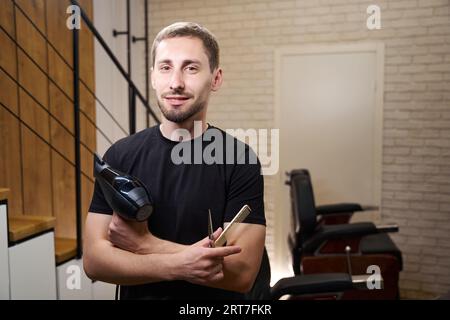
{"x":210,"y":230}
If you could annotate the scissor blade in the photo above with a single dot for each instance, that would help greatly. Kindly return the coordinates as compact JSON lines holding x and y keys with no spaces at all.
{"x":210,"y":226}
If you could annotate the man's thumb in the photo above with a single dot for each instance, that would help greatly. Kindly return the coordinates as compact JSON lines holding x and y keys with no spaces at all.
{"x":217,"y":233}
{"x":205,"y":242}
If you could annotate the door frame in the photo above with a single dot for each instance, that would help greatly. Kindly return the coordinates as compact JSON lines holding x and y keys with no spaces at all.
{"x":282,"y":219}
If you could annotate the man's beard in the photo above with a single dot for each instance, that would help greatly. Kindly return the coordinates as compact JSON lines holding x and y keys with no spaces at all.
{"x":179,"y":116}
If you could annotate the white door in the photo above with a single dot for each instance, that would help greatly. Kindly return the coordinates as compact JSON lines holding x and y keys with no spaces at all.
{"x":329,"y":107}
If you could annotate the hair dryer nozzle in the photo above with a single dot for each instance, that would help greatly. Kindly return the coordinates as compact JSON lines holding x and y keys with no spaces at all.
{"x":125,"y":194}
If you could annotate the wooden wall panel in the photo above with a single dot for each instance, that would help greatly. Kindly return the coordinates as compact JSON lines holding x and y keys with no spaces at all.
{"x":61,"y":107}
{"x":37,"y":189}
{"x":10,"y":163}
{"x":8,"y":54}
{"x":57,"y":33}
{"x":87,"y":190}
{"x":34,"y":115}
{"x":31,"y":41}
{"x":87,"y":102}
{"x":63,"y":179}
{"x":33,"y":79}
{"x":87,"y":132}
{"x":62,"y":140}
{"x":87,"y":105}
{"x":8,"y":93}
{"x":87,"y":136}
{"x":87,"y":161}
{"x":7,"y":17}
{"x":87,"y":46}
{"x":43,"y":181}
{"x":35,"y":10}
{"x":60,"y":72}
{"x":87,"y":129}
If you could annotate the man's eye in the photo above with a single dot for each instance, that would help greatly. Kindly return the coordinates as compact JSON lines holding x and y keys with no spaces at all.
{"x":191,"y":68}
{"x":164,"y":68}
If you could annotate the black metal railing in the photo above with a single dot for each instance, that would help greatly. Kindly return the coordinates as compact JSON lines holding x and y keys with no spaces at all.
{"x":133,"y":91}
{"x":58,"y":86}
{"x":116,"y":62}
{"x":76,"y":116}
{"x":78,"y":111}
{"x":147,"y":56}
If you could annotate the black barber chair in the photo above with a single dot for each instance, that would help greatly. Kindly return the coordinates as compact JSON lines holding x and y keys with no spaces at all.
{"x":318,"y":247}
{"x":330,"y":286}
{"x":336,"y":213}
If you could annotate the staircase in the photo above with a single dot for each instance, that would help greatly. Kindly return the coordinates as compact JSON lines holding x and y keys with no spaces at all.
{"x":34,"y":265}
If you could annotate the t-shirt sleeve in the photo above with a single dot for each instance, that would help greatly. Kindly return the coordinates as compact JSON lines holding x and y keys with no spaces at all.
{"x":246,"y":187}
{"x":98,"y":202}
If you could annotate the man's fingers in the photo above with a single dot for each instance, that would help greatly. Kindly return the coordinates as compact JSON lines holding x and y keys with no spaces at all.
{"x":224,"y":251}
{"x":206,"y":242}
{"x":217,"y":277}
{"x":217,"y":233}
{"x":115,"y":217}
{"x":218,"y":268}
{"x":116,"y":220}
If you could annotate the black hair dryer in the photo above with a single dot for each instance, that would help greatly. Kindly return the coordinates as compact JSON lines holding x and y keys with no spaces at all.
{"x":125,"y":194}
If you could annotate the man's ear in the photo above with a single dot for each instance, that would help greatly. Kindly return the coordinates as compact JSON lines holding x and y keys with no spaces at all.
{"x":217,"y":79}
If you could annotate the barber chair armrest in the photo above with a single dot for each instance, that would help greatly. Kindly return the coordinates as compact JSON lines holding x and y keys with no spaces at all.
{"x":324,"y":283}
{"x":385,"y":228}
{"x":347,"y":230}
{"x":339,"y":208}
{"x":330,"y":232}
{"x":311,"y":284}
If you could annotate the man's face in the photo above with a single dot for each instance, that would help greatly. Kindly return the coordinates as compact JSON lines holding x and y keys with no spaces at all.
{"x":182,"y":78}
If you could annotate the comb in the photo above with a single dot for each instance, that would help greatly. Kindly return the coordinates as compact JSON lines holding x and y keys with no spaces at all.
{"x":238,"y":218}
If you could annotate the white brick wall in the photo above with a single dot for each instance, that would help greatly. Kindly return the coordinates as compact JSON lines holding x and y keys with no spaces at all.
{"x":416,"y":161}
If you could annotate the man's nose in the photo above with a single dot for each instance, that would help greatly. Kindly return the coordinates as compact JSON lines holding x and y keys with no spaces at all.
{"x":176,"y":82}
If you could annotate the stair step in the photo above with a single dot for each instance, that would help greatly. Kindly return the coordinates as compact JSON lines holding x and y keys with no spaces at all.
{"x":4,"y":194}
{"x":65,"y":249}
{"x":25,"y":226}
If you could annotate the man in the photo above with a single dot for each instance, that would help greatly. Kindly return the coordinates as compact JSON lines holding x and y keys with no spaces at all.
{"x":169,"y":257}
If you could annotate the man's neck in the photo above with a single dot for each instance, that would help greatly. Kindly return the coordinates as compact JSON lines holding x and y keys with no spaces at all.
{"x":167,"y":127}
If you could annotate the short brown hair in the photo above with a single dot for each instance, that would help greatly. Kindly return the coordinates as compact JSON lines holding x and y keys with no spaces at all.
{"x":190,"y":29}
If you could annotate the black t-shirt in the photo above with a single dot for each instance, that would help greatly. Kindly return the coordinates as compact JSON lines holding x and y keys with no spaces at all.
{"x":183,"y":192}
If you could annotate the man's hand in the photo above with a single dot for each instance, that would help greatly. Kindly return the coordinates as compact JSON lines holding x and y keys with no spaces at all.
{"x":201,"y":264}
{"x":132,"y":236}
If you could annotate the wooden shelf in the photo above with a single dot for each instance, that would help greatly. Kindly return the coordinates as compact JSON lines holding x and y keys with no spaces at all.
{"x":65,"y":249}
{"x":4,"y":193}
{"x":21,"y":227}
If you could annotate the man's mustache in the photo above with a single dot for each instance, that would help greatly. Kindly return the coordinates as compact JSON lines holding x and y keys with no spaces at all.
{"x":177,"y":93}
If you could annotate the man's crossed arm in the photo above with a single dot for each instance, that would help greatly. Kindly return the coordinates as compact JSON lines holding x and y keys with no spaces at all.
{"x":126,"y":253}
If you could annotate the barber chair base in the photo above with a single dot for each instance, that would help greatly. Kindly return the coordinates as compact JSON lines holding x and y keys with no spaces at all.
{"x":389,"y":267}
